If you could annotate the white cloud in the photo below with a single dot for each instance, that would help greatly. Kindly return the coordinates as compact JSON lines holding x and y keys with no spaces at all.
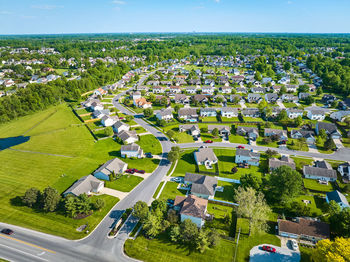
{"x":46,"y":7}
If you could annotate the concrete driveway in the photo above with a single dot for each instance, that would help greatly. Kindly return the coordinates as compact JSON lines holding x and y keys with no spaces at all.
{"x":113,"y":192}
{"x":281,"y":105}
{"x":338,"y":143}
{"x":281,"y":255}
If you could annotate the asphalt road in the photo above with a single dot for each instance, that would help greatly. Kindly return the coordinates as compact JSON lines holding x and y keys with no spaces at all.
{"x":28,"y":245}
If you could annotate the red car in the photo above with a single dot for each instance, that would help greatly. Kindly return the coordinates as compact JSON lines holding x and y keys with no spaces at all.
{"x":269,"y":249}
{"x":208,"y":141}
{"x":130,"y":170}
{"x":141,"y":171}
{"x":240,"y":147}
{"x":7,"y":231}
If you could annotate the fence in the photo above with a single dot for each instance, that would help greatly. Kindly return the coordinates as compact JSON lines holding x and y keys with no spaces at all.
{"x":222,"y":203}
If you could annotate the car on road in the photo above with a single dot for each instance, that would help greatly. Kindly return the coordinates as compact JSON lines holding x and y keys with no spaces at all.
{"x":269,"y":249}
{"x":294,"y":244}
{"x":240,"y":147}
{"x":208,"y":141}
{"x":7,"y":231}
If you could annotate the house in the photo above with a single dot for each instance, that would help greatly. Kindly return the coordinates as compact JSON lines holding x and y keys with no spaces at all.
{"x":191,"y":90}
{"x":142,"y":103}
{"x":226,"y":89}
{"x":131,"y":150}
{"x":320,"y":172}
{"x":344,"y":170}
{"x":281,"y":134}
{"x":276,"y":88}
{"x":236,"y":99}
{"x":271,"y":97}
{"x":229,"y":112}
{"x":208,"y":90}
{"x":208,"y":112}
{"x":252,"y":133}
{"x":302,"y":228}
{"x":115,"y":166}
{"x":109,"y":120}
{"x":254,"y":98}
{"x":215,"y":98}
{"x":205,"y":156}
{"x":241,"y":90}
{"x":158,"y":90}
{"x":175,"y":90}
{"x":289,"y":98}
{"x":330,"y":128}
{"x":200,"y":98}
{"x":258,"y":90}
{"x":96,"y":105}
{"x":100,"y":113}
{"x":291,"y":88}
{"x":303,"y":96}
{"x":193,"y":130}
{"x":136,"y":95}
{"x":293,"y":113}
{"x":309,"y":135}
{"x":201,"y":186}
{"x":328,"y":99}
{"x":188,"y":114}
{"x":338,"y":197}
{"x":153,"y":83}
{"x":120,"y":126}
{"x":209,"y":82}
{"x":100,"y":92}
{"x":284,"y":161}
{"x":237,"y":78}
{"x":340,"y":115}
{"x":224,"y":131}
{"x":246,"y":156}
{"x":191,"y":207}
{"x":165,"y":114}
{"x":181,"y":99}
{"x":316,"y":114}
{"x":128,"y":137}
{"x":85,"y":185}
{"x":251,"y":112}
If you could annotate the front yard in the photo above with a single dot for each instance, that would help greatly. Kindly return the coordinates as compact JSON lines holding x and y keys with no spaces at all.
{"x":125,"y":183}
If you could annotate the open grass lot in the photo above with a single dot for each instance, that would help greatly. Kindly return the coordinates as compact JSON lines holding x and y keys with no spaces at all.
{"x":226,"y":159}
{"x":180,"y":137}
{"x":295,"y":144}
{"x":260,"y":142}
{"x":161,"y":249}
{"x":314,"y":185}
{"x":301,"y":161}
{"x":253,"y":119}
{"x":59,"y":151}
{"x":185,"y":164}
{"x":238,"y":139}
{"x":209,"y":119}
{"x":125,"y":183}
{"x":170,"y":191}
{"x":230,"y":119}
{"x":317,"y":204}
{"x":246,"y":242}
{"x":150,"y":144}
{"x":139,"y":129}
{"x":220,"y":223}
{"x":290,"y":104}
{"x":207,"y":136}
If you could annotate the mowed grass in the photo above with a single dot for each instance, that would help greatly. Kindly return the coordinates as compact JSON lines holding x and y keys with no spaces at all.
{"x":125,"y":183}
{"x":170,"y":191}
{"x":185,"y":164}
{"x":161,"y":249}
{"x":60,"y":151}
{"x":150,"y":144}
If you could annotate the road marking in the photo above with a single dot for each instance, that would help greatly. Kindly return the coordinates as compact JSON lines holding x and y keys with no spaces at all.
{"x":29,"y":244}
{"x":17,"y":250}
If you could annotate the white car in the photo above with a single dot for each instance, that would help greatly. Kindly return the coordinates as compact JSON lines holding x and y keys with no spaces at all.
{"x":294,"y":244}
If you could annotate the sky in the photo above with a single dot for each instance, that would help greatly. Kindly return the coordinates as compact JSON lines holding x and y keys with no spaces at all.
{"x":119,"y":16}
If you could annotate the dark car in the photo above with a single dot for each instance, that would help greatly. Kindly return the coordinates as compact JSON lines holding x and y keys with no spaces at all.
{"x":141,"y":171}
{"x":7,"y":231}
{"x":269,"y":249}
{"x":149,"y":155}
{"x":130,"y":171}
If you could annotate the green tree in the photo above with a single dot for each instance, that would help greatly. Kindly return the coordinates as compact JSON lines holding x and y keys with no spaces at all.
{"x":332,"y":251}
{"x":99,"y":204}
{"x":285,"y":184}
{"x":201,"y":241}
{"x":250,"y":180}
{"x":189,"y":231}
{"x":322,"y":133}
{"x":70,"y":206}
{"x":213,"y":237}
{"x":329,"y":144}
{"x":83,"y":204}
{"x":175,"y":233}
{"x":148,"y":112}
{"x":270,"y":153}
{"x":309,"y":100}
{"x":252,"y":205}
{"x":128,"y":118}
{"x":177,"y":108}
{"x":340,"y":222}
{"x":171,"y":134}
{"x":31,"y":196}
{"x":160,"y":205}
{"x":173,"y":217}
{"x":173,"y":156}
{"x":152,"y":225}
{"x":299,"y":121}
{"x":215,"y":132}
{"x":141,"y":210}
{"x":50,"y":198}
{"x":108,"y":131}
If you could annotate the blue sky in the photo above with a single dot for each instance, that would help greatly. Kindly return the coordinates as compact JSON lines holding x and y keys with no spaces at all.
{"x":99,"y":16}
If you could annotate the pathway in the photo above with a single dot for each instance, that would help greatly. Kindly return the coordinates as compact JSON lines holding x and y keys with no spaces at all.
{"x":115,"y":193}
{"x":281,"y":105}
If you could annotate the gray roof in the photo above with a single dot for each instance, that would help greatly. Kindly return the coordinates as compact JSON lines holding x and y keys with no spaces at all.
{"x":204,"y":185}
{"x":229,"y":109}
{"x":113,"y":165}
{"x":323,"y":164}
{"x":284,"y":161}
{"x":205,"y":153}
{"x":322,"y":172}
{"x":247,"y":129}
{"x":85,"y":185}
{"x":187,"y":112}
{"x":316,"y":111}
{"x":131,"y":147}
{"x":165,"y":112}
{"x":207,"y":109}
{"x":250,"y":111}
{"x":246,"y":152}
{"x":124,"y":135}
{"x":119,"y":124}
{"x":189,"y":127}
{"x":330,"y":128}
{"x":219,"y":127}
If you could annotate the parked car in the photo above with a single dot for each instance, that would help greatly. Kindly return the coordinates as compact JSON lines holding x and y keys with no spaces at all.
{"x":141,"y":171}
{"x":149,"y":155}
{"x":177,"y":179}
{"x":269,"y":249}
{"x":131,"y":170}
{"x":281,"y":142}
{"x":208,"y":141}
{"x":240,"y":147}
{"x":294,"y":244}
{"x":7,"y":231}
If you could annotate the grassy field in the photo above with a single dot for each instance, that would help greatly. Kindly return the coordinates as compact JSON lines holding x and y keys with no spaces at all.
{"x":295,"y":144}
{"x":320,"y":147}
{"x":59,"y":151}
{"x":238,"y":139}
{"x":185,"y":164}
{"x":228,"y":193}
{"x":150,"y":144}
{"x":170,"y":191}
{"x":125,"y":183}
{"x":314,"y":185}
{"x":161,"y":249}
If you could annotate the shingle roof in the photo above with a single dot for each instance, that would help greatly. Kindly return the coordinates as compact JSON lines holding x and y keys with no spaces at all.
{"x":275,"y":163}
{"x":187,"y":112}
{"x":113,"y":165}
{"x":305,"y":227}
{"x":201,"y":184}
{"x":205,"y":153}
{"x":192,"y":206}
{"x":322,"y":172}
{"x":84,"y":185}
{"x":337,"y":197}
{"x":131,"y":147}
{"x":124,"y":135}
{"x":246,"y":152}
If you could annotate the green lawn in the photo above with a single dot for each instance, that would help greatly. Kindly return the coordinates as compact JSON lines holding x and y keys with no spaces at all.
{"x":226,"y":159}
{"x":313,"y":184}
{"x":139,"y":129}
{"x":158,"y":189}
{"x":316,"y":206}
{"x":295,"y":144}
{"x":170,"y":191}
{"x":320,"y":147}
{"x":260,"y":142}
{"x":219,"y":222}
{"x":125,"y":183}
{"x":209,"y":119}
{"x":161,"y":249}
{"x":290,"y":104}
{"x":231,"y":119}
{"x":180,"y":137}
{"x":238,"y":139}
{"x":207,"y":136}
{"x":185,"y":164}
{"x":246,"y":242}
{"x":228,"y":193}
{"x":60,"y":151}
{"x":149,"y":143}
{"x":253,"y":119}
{"x":301,"y":161}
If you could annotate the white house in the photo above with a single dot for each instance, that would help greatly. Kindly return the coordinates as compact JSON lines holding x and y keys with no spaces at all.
{"x":165,"y":114}
{"x":120,"y":126}
{"x":229,"y":112}
{"x":109,"y":120}
{"x":316,"y":114}
{"x":293,"y":113}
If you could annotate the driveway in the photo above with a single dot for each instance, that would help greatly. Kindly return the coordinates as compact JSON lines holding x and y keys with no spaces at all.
{"x":338,"y":143}
{"x":313,"y":149}
{"x":113,"y":192}
{"x":281,"y":255}
{"x":280,"y":104}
